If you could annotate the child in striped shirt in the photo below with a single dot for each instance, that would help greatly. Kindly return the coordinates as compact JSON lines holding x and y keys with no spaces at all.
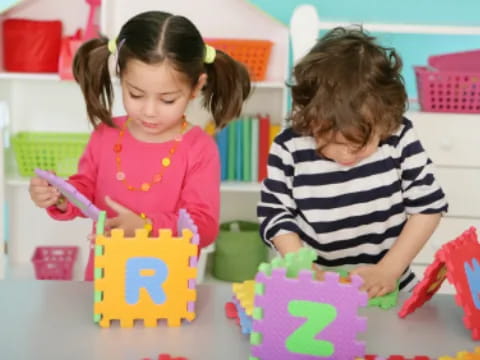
{"x":348,"y":177}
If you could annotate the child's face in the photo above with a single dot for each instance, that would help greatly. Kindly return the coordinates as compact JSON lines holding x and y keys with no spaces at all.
{"x":155,"y":98}
{"x":343,"y":152}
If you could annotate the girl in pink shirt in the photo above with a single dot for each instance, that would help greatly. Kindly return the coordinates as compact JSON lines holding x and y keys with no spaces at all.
{"x":143,"y":167}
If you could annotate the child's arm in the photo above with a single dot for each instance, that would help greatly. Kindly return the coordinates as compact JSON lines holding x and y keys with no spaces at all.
{"x":415,"y":234}
{"x":287,"y":243}
{"x":278,"y":226}
{"x":382,"y":278}
{"x":424,"y":203}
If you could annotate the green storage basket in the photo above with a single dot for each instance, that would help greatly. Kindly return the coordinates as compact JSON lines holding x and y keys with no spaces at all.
{"x":238,"y":251}
{"x":48,"y":151}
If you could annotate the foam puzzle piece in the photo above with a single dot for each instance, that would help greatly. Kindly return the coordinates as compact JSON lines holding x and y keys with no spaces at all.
{"x":459,"y":262}
{"x":292,"y":262}
{"x":394,"y":357}
{"x":186,"y":222}
{"x":385,"y":302}
{"x":167,"y":357}
{"x":282,"y":304}
{"x":245,"y":294}
{"x":464,"y":355}
{"x":245,"y":320}
{"x":231,"y":310}
{"x":114,"y":282}
{"x":462,"y":257}
{"x":433,"y":278}
{"x":71,"y":193}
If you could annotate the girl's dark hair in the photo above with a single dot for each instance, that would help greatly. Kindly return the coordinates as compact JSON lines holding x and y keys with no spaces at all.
{"x":154,"y":37}
{"x":349,"y":84}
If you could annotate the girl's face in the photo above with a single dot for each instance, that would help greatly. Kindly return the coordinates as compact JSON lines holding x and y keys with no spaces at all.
{"x":155,"y":98}
{"x":344,"y":152}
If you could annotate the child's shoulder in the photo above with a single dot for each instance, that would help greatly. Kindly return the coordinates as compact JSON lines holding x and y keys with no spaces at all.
{"x":291,"y":140}
{"x":118,"y":122}
{"x":198,"y":139}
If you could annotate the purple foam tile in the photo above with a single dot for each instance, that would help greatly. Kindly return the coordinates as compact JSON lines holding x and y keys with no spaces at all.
{"x":71,"y":193}
{"x":193,"y":261}
{"x":191,"y":306}
{"x":277,"y":324}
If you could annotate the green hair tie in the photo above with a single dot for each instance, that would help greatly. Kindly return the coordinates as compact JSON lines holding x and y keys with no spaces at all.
{"x":210,"y":54}
{"x":112,"y":45}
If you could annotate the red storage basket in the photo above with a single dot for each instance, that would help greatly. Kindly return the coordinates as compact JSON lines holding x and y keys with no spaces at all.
{"x":54,"y":262}
{"x":31,"y":45}
{"x":451,"y":83}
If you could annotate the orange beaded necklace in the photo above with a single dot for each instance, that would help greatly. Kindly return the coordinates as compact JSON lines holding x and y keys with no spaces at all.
{"x":165,"y":162}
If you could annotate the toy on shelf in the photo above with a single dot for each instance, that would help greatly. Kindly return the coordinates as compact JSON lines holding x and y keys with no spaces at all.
{"x":70,"y":44}
{"x":71,"y":193}
{"x":92,"y":30}
{"x":145,"y":278}
{"x":459,"y":262}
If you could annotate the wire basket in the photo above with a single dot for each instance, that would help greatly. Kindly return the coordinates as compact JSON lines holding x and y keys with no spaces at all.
{"x":254,"y":54}
{"x":49,"y":151}
{"x":451,"y":83}
{"x":54,"y":262}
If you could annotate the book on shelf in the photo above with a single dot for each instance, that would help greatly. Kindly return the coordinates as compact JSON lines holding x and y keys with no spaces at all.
{"x":244,"y":145}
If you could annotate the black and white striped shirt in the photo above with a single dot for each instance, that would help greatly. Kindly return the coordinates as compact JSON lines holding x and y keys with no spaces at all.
{"x":350,"y":215}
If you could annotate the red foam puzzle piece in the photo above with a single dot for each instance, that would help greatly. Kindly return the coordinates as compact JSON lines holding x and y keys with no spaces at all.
{"x":460,"y":255}
{"x":452,"y":261}
{"x":231,"y":310}
{"x":167,"y":357}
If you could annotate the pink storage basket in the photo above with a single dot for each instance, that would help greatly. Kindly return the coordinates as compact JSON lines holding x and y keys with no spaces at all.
{"x":54,"y":262}
{"x":451,"y":83}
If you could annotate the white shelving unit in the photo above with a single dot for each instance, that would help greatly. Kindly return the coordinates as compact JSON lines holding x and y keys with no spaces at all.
{"x":43,"y":102}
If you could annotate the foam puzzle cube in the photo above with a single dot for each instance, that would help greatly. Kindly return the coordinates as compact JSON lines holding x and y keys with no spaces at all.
{"x":146,"y":278}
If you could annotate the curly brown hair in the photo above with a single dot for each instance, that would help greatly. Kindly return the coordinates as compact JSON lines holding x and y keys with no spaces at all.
{"x":347,"y":83}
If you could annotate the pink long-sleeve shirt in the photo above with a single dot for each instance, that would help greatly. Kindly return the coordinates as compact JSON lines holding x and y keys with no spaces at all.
{"x":192,"y":181}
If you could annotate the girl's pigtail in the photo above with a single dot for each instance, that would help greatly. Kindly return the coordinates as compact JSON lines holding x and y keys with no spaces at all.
{"x":91,"y":71}
{"x":228,"y":86}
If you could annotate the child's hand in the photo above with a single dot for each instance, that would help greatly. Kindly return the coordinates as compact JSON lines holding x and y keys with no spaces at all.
{"x":319,"y":274}
{"x":126,"y":219}
{"x":44,"y":195}
{"x":377,"y":280}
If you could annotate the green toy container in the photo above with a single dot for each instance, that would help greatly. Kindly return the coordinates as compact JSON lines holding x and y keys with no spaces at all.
{"x":238,"y":251}
{"x":48,"y":151}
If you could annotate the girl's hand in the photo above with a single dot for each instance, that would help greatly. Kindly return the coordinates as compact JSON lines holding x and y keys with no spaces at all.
{"x":44,"y":195}
{"x":126,"y":219}
{"x":377,"y":280}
